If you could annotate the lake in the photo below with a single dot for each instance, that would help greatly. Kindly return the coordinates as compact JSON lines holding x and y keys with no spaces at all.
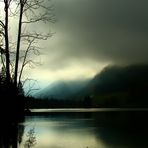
{"x":85,"y":128}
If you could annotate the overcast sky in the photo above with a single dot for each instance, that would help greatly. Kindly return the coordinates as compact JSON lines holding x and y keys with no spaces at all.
{"x":91,"y":34}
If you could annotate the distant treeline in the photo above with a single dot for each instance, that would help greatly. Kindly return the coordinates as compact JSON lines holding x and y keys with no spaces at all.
{"x":118,"y":100}
{"x":31,"y":102}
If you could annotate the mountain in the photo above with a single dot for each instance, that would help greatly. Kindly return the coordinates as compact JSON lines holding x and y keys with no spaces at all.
{"x":62,"y":89}
{"x":118,"y":86}
{"x":113,"y":86}
{"x":117,"y":78}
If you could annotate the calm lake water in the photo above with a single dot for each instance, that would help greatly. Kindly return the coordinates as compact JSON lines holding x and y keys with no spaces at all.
{"x":82,"y":128}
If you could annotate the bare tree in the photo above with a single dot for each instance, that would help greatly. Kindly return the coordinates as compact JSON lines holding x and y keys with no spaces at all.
{"x":27,"y":13}
{"x":21,"y":35}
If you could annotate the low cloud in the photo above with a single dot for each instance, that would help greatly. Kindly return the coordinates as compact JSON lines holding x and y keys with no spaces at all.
{"x":100,"y":31}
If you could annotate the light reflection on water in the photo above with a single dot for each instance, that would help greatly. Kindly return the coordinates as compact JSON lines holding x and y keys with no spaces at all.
{"x":87,"y":130}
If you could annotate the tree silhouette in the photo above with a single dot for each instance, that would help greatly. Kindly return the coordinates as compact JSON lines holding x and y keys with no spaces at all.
{"x":17,"y":47}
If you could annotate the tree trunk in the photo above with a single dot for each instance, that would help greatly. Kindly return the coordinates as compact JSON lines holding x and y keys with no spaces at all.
{"x":18,"y":44}
{"x":7,"y":44}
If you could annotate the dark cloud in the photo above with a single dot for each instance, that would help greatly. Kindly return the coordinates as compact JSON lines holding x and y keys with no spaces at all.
{"x":102,"y":30}
{"x":91,"y":34}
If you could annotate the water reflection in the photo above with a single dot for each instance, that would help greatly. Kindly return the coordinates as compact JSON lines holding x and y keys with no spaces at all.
{"x":122,"y":129}
{"x":31,"y":140}
{"x":88,"y":130}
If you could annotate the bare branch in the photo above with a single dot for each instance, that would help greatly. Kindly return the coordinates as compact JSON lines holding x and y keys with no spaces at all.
{"x":2,"y":24}
{"x":32,"y":9}
{"x":37,"y":36}
{"x":9,"y":1}
{"x":31,"y":86}
{"x":43,"y":18}
{"x":3,"y":62}
{"x":24,"y":61}
{"x":33,"y":5}
{"x":2,"y":33}
{"x":2,"y":50}
{"x":15,"y":13}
